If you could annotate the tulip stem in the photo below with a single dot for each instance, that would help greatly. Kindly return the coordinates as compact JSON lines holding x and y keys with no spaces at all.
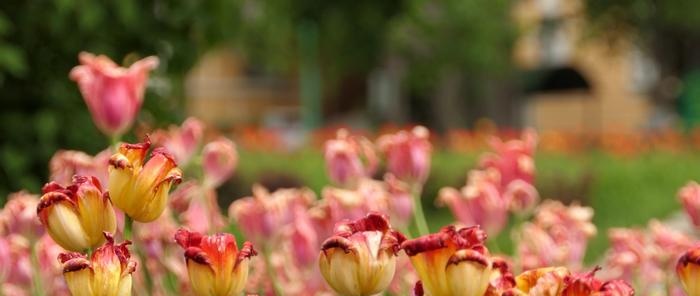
{"x":271,"y":273}
{"x":37,"y":284}
{"x":418,"y":215}
{"x":128,"y":224}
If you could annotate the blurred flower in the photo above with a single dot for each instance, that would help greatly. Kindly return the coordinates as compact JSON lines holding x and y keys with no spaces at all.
{"x":215,"y":264}
{"x":349,"y":158}
{"x":408,"y":154}
{"x":51,"y":271}
{"x":452,"y":262}
{"x":479,"y":203}
{"x":107,"y":272}
{"x":18,"y":216}
{"x":76,"y":216}
{"x":65,"y":164}
{"x":113,"y":94}
{"x":219,"y":159}
{"x":558,"y":281}
{"x":558,"y":236}
{"x":197,"y":207}
{"x":369,"y":195}
{"x":400,"y":201}
{"x":183,"y":141}
{"x":502,"y":278}
{"x":521,"y":196}
{"x":360,"y":259}
{"x":547,"y":281}
{"x":689,"y":196}
{"x":261,"y":216}
{"x":512,"y":159}
{"x":615,"y":288}
{"x":140,"y":188}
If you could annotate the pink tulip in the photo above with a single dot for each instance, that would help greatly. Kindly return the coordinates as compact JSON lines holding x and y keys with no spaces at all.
{"x":51,"y":269}
{"x":113,"y":94}
{"x":183,"y":141}
{"x":67,"y":163}
{"x":408,"y":154}
{"x":513,"y":159}
{"x":689,"y":196}
{"x":219,"y":160}
{"x":349,"y":158}
{"x":521,"y":196}
{"x":19,"y":216}
{"x":400,"y":201}
{"x":197,"y":207}
{"x":261,"y":216}
{"x":478,"y":203}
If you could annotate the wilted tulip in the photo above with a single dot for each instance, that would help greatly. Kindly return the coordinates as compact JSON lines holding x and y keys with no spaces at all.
{"x":349,"y":158}
{"x":215,"y":264}
{"x":452,"y":262}
{"x":106,"y":273}
{"x":360,"y":259}
{"x":688,"y":270}
{"x":689,"y":195}
{"x":408,"y":154}
{"x":548,"y":281}
{"x":513,"y":159}
{"x":138,"y":187}
{"x":113,"y":94}
{"x":76,"y":216}
{"x":219,"y":159}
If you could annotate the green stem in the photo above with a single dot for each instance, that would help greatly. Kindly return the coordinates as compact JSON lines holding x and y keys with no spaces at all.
{"x":418,"y":215}
{"x":114,"y":142}
{"x":271,"y":273}
{"x":37,"y":284}
{"x":128,"y":225}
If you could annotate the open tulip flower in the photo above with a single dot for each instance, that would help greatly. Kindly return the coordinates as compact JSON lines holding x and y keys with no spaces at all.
{"x":360,"y":258}
{"x":76,"y":216}
{"x":349,"y":158}
{"x":452,"y":262}
{"x":408,"y":154}
{"x":113,"y":94}
{"x":558,"y":281}
{"x":139,"y":187}
{"x":106,"y":273}
{"x":215,"y":264}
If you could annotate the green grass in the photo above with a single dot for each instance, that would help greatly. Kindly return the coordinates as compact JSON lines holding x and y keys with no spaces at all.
{"x":624,"y":191}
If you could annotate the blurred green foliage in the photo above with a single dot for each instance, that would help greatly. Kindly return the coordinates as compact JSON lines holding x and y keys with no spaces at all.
{"x":624,"y":191}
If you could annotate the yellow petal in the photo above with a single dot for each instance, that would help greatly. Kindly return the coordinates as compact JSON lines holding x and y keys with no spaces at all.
{"x":202,"y":279}
{"x":65,"y":228}
{"x":125,"y":286}
{"x":96,"y":216}
{"x":79,"y":282}
{"x":468,"y":273}
{"x":120,"y":182}
{"x":340,"y":270}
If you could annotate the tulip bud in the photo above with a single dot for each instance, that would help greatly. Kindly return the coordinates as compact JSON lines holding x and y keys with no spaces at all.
{"x":344,"y":158}
{"x":451,"y":262}
{"x":107,"y":272}
{"x":76,"y":216}
{"x":215,"y":265}
{"x":408,"y":154}
{"x":690,"y":197}
{"x":360,"y":258}
{"x":113,"y":94}
{"x":688,"y":270}
{"x":138,"y":187}
{"x":219,"y":161}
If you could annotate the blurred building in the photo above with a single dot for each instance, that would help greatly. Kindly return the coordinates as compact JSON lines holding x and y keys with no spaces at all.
{"x":222,"y":90}
{"x":584,"y":82}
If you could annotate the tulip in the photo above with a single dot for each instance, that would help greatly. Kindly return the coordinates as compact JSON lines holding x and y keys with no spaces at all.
{"x":615,"y":288}
{"x":138,"y":187}
{"x":549,"y":281}
{"x":408,"y":154}
{"x":344,"y":157}
{"x":183,"y":141}
{"x":64,"y":164}
{"x":688,"y":271}
{"x":18,"y":216}
{"x":360,"y":258}
{"x":215,"y":265}
{"x":219,"y":161}
{"x":113,"y":94}
{"x":689,"y":195}
{"x":451,"y":262}
{"x":76,"y":216}
{"x":513,"y":159}
{"x":521,"y":196}
{"x":106,"y":273}
{"x":478,"y":203}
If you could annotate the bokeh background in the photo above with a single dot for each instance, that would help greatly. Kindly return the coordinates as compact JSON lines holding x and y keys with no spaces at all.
{"x":612,"y":86}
